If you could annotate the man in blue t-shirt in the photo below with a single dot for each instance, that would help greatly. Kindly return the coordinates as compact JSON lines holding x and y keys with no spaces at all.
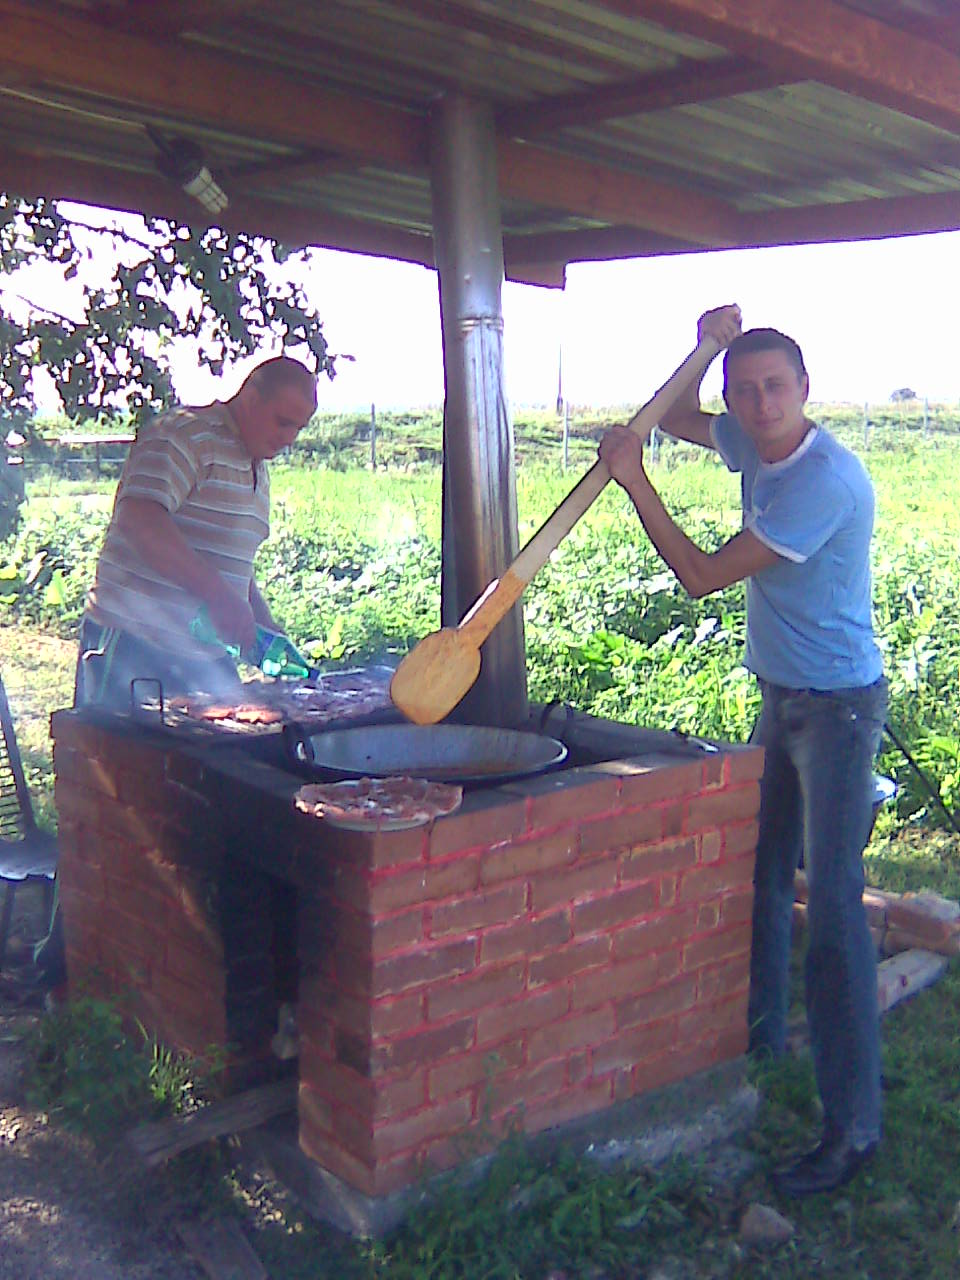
{"x":803,"y":551}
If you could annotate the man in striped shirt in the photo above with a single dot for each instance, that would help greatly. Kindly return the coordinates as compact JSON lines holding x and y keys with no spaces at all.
{"x":192,"y":507}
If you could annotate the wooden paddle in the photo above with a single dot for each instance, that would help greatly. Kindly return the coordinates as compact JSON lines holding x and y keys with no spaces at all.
{"x":440,"y":670}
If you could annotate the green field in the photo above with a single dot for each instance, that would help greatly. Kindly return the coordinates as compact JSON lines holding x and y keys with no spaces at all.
{"x":352,"y":566}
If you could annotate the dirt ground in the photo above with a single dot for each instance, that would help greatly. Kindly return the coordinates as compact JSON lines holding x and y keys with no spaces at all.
{"x":65,"y":1210}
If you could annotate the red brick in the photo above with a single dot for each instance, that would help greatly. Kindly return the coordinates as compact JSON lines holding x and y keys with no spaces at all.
{"x":388,"y":1018}
{"x":552,"y":889}
{"x":713,"y":771}
{"x":717,"y":946}
{"x":581,"y":1101}
{"x":711,"y":1019}
{"x":642,"y":783}
{"x":517,"y":1088}
{"x":527,"y":937}
{"x":522,"y":1015}
{"x":744,"y":763}
{"x":711,"y":845}
{"x":729,"y":805}
{"x":677,"y":1065}
{"x":426,"y":883}
{"x":87,"y":771}
{"x":396,"y":848}
{"x":77,"y":876}
{"x":722,"y":980}
{"x":136,"y":900}
{"x":708,"y":916}
{"x":735,"y":908}
{"x":656,"y":934}
{"x":668,"y":891}
{"x":661,"y":1002}
{"x":637,"y":826}
{"x":522,"y":858}
{"x":479,"y":989}
{"x":633,"y":1045}
{"x":187,"y":1000}
{"x":578,"y":1067}
{"x":574,"y":1032}
{"x":340,"y":1086}
{"x":485,"y":819}
{"x":318,"y":1142}
{"x":701,"y":883}
{"x":558,"y":799}
{"x":565,"y":961}
{"x":378,"y":937}
{"x":619,"y":907}
{"x":611,"y":983}
{"x":739,"y":837}
{"x":476,"y":1068}
{"x":423,"y":1047}
{"x":196,"y":965}
{"x":426,"y":964}
{"x":479,"y":910}
{"x":412,"y":1131}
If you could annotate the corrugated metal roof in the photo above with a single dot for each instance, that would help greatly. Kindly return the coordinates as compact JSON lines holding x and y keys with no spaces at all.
{"x":753,"y":111}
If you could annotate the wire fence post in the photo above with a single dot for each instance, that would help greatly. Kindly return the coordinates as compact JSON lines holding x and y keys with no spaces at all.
{"x":373,"y":437}
{"x":654,"y":444}
{"x":566,"y":434}
{"x":866,"y":426}
{"x":926,"y":417}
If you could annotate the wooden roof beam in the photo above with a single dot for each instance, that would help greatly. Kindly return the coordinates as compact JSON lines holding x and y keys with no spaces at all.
{"x":170,"y":18}
{"x":167,"y":79}
{"x":129,"y":191}
{"x":249,"y":100}
{"x":809,"y":224}
{"x":822,"y":40}
{"x":551,"y":180}
{"x":690,"y":82}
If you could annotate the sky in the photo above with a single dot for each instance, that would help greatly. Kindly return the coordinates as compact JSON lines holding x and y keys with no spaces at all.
{"x":871,"y":318}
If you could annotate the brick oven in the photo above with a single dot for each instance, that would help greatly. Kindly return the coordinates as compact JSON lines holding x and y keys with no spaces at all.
{"x":559,"y":945}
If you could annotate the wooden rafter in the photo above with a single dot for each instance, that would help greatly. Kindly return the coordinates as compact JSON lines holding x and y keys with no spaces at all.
{"x":809,"y":224}
{"x":147,"y":17}
{"x":822,"y":40}
{"x":132,"y":191}
{"x":250,"y":101}
{"x":692,"y":81}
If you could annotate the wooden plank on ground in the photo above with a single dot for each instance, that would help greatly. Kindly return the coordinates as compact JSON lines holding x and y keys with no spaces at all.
{"x":219,"y":1246}
{"x":905,"y":974}
{"x":161,"y":1140}
{"x":901,"y":976}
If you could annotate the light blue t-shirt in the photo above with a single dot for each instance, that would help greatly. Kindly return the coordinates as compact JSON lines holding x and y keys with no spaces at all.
{"x":809,"y":615}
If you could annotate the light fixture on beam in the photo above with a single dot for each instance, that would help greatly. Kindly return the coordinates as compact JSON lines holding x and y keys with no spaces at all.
{"x":182,"y":161}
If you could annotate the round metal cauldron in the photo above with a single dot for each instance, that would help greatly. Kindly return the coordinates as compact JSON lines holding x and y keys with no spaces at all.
{"x":444,"y":752}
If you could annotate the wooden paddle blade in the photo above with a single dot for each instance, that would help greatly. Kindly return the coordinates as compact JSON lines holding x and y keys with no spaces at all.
{"x":435,"y":675}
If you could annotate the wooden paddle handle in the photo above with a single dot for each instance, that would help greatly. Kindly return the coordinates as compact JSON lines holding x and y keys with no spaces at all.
{"x":500,"y":597}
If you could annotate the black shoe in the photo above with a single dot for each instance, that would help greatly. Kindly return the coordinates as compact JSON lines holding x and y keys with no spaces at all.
{"x":829,"y":1165}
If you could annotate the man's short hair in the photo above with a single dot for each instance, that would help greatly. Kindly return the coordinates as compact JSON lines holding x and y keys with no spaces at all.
{"x":764,"y":340}
{"x":280,"y":372}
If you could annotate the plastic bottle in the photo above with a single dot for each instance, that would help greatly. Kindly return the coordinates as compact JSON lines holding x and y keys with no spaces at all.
{"x":271,"y":651}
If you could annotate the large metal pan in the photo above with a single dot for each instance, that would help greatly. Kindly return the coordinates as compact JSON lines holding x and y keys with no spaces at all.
{"x":445,"y":752}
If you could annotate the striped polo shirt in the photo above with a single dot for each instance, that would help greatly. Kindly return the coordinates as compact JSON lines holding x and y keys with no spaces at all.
{"x":194,"y":464}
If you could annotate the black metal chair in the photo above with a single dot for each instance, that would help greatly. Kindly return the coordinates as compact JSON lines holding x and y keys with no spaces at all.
{"x":26,"y":852}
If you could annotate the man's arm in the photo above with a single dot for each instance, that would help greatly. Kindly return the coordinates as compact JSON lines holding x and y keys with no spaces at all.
{"x":685,"y":420}
{"x":149,"y":527}
{"x":700,"y":572}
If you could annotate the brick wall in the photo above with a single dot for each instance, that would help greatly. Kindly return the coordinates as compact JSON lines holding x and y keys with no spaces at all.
{"x":152,"y":910}
{"x":559,"y":945}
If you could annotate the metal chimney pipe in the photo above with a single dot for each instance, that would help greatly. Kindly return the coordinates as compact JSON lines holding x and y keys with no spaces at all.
{"x":480,"y":535}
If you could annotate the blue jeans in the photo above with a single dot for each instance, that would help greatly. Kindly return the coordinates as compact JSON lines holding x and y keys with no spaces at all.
{"x":816,"y":797}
